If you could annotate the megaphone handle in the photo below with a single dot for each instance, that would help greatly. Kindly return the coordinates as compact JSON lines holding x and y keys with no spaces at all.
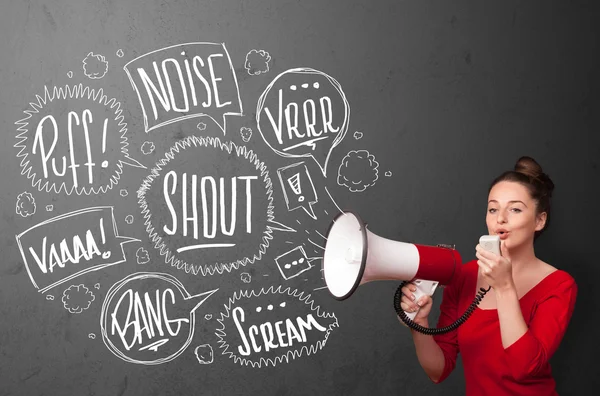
{"x":424,"y":287}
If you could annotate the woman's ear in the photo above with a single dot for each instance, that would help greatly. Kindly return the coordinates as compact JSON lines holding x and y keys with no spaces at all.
{"x":540,"y":221}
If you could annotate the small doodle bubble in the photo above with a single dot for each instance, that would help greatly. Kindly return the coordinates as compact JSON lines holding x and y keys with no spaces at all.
{"x":97,"y":286}
{"x":123,"y":192}
{"x":120,"y":53}
{"x":358,"y":135}
{"x":201,"y":126}
{"x":208,"y":317}
{"x":245,"y":277}
{"x":129,"y":219}
{"x":49,"y":208}
{"x":49,"y":297}
{"x":70,"y":74}
{"x":92,"y":336}
{"x":388,"y":173}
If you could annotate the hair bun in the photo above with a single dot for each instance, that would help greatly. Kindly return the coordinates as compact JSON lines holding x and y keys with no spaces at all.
{"x":529,"y":167}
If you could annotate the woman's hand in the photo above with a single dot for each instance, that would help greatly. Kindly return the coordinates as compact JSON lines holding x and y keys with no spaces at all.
{"x":496,"y":270}
{"x":409,"y":304}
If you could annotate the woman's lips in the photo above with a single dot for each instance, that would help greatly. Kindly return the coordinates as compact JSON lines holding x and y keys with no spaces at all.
{"x":504,"y":235}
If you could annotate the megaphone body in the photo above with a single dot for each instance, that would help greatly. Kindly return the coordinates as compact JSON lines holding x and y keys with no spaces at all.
{"x":355,"y":256}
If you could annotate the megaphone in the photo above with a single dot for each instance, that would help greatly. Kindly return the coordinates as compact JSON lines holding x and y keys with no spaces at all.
{"x":354,"y":256}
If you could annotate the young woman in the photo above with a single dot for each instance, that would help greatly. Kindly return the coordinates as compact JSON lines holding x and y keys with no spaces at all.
{"x":507,"y":342}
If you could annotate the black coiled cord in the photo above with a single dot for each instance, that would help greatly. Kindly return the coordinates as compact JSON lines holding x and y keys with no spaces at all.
{"x":434,"y":331}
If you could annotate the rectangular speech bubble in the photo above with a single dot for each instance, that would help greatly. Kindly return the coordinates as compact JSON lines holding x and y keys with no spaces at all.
{"x":185,"y":81}
{"x":64,"y":247}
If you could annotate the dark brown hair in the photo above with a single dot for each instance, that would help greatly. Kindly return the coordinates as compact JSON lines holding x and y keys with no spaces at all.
{"x":529,"y":173}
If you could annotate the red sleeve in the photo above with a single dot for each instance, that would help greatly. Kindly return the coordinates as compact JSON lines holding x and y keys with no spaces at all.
{"x":534,"y":349}
{"x":449,"y":341}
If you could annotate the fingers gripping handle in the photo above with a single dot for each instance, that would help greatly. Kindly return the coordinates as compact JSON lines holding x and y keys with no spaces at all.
{"x":424,"y":287}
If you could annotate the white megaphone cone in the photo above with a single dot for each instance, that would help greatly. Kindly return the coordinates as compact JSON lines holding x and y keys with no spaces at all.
{"x":354,"y":256}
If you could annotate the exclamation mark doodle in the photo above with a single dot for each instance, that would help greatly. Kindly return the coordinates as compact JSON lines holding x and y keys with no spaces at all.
{"x":104,"y":163}
{"x":106,"y":254}
{"x":294,"y":183}
{"x":298,"y":188}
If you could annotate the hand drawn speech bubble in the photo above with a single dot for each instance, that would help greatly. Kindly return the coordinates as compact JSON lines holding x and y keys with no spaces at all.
{"x":185,"y":81}
{"x":64,"y":247}
{"x":272,"y":326}
{"x":149,"y":318}
{"x":68,"y":140}
{"x":208,"y":206}
{"x":303,"y":113}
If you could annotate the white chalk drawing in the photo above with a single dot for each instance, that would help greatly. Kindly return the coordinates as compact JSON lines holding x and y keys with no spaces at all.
{"x":149,"y":318}
{"x":332,"y":200}
{"x":316,"y":244}
{"x":204,"y":354}
{"x":142,"y":256}
{"x":77,"y":299}
{"x":70,"y":74}
{"x":147,"y":148}
{"x":298,"y":188}
{"x":120,"y":53}
{"x":129,"y":219}
{"x":95,"y":66}
{"x":245,"y":277}
{"x":204,"y":211}
{"x":97,"y":286}
{"x":257,"y":62}
{"x":25,"y":204}
{"x":61,"y":153}
{"x":92,"y":336}
{"x":207,"y":317}
{"x":262,"y":337}
{"x":246,"y":134}
{"x":292,"y":263}
{"x":358,"y":135}
{"x":88,"y":241}
{"x":49,"y":208}
{"x":358,"y":171}
{"x":185,"y":81}
{"x":298,"y":119}
{"x":49,"y":297}
{"x":123,"y":192}
{"x":201,"y":126}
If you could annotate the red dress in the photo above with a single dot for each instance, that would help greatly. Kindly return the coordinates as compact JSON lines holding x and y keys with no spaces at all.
{"x":523,"y":368}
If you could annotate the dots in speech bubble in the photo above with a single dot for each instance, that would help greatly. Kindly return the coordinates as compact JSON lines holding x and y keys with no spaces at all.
{"x":309,"y":121}
{"x":133,"y":334}
{"x":68,"y":139}
{"x":220,"y":204}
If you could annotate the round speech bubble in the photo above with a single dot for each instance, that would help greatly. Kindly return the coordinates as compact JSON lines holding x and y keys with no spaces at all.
{"x":68,"y":139}
{"x":208,"y":206}
{"x":303,"y":113}
{"x":149,"y":318}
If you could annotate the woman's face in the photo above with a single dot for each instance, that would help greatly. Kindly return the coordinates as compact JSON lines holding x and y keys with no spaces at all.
{"x":511,"y":213}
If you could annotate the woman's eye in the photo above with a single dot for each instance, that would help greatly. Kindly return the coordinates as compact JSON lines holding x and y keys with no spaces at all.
{"x":517,"y":210}
{"x":492,"y":210}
